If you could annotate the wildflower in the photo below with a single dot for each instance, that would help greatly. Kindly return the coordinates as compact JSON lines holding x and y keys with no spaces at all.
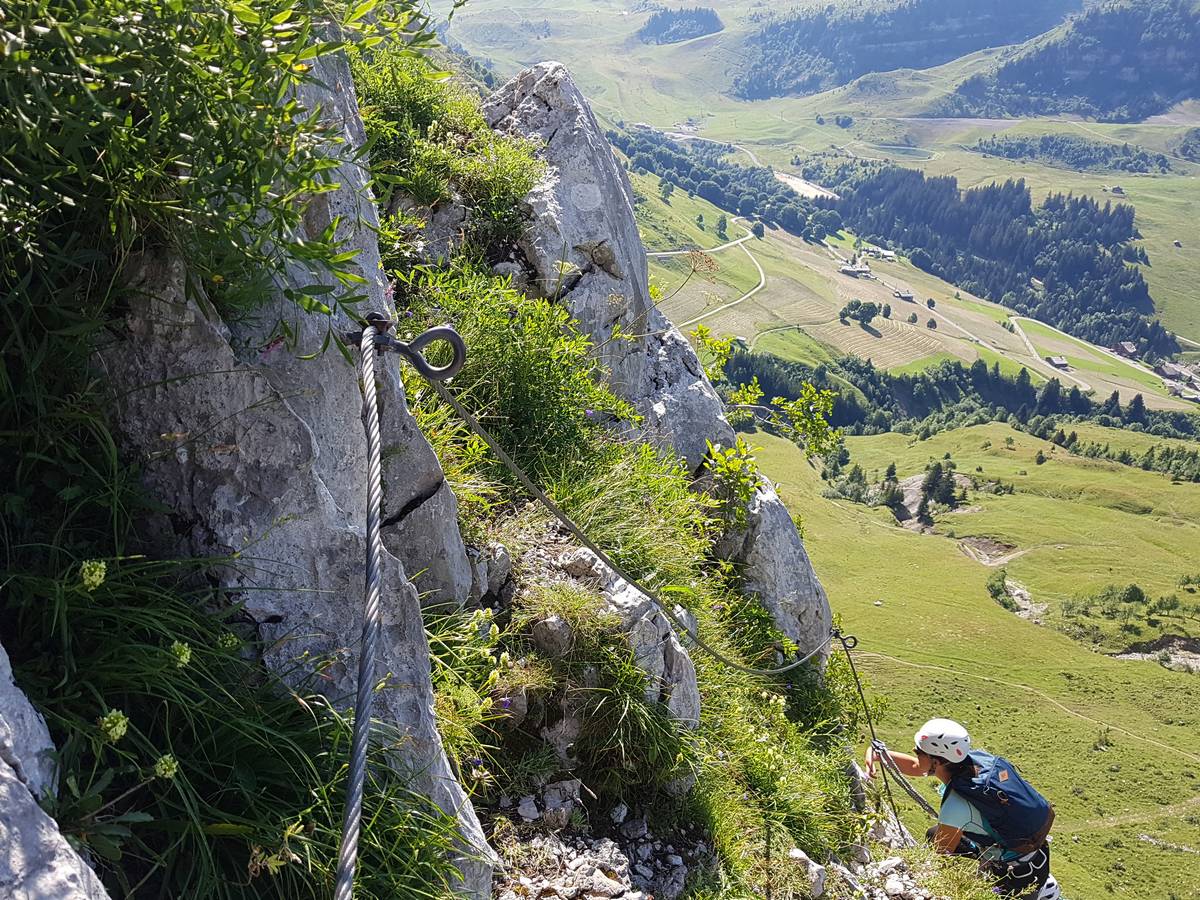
{"x":494,"y":631}
{"x":505,"y":703}
{"x":229,"y":641}
{"x":113,"y":725}
{"x":182,"y":653}
{"x":166,"y":767}
{"x":92,"y":573}
{"x":479,"y":773}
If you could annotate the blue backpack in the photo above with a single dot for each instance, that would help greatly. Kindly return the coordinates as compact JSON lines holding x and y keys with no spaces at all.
{"x":1020,"y":816}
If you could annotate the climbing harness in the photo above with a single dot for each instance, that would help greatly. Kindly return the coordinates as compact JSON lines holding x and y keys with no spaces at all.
{"x":372,"y":338}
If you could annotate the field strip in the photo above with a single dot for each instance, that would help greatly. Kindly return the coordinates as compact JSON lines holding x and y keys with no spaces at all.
{"x":1033,"y":352}
{"x":1014,"y":684}
{"x":1132,"y":363}
{"x":733,"y":243}
{"x":762,"y":283}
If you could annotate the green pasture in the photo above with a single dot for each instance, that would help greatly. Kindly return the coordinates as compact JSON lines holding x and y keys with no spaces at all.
{"x":936,"y":644}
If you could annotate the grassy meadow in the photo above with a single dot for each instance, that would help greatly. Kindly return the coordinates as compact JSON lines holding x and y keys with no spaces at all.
{"x":1112,"y":742}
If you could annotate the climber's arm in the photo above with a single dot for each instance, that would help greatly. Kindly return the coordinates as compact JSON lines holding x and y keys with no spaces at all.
{"x":907,"y":764}
{"x":946,"y":838}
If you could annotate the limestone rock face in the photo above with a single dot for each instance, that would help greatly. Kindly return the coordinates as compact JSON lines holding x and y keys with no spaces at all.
{"x":36,"y":862}
{"x":582,"y":214}
{"x":260,"y":454}
{"x":584,"y":248}
{"x":25,"y":745}
{"x":656,"y":648}
{"x":776,"y":568}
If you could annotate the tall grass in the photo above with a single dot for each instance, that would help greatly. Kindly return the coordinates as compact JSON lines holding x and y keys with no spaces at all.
{"x":768,"y":755}
{"x":187,"y":769}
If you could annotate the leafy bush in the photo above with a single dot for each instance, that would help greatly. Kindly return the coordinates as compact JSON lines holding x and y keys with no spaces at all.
{"x":997,"y":588}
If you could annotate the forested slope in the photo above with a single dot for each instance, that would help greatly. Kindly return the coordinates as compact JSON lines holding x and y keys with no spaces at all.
{"x":810,"y":51}
{"x":1120,"y":61}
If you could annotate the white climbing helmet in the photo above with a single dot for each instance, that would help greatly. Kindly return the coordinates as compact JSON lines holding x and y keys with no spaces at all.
{"x":944,"y":738}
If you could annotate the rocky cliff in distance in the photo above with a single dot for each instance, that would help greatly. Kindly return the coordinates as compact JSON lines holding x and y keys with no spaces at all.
{"x":583,"y":247}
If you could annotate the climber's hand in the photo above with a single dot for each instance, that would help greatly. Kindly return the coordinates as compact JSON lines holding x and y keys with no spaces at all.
{"x":870,"y":759}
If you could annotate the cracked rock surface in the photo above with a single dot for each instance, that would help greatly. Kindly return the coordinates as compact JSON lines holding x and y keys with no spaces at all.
{"x":259,"y":454}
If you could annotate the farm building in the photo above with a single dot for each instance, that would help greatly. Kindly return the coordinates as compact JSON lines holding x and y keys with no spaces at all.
{"x":855,"y":269}
{"x":1059,"y":362}
{"x":1172,"y":371}
{"x":1126,"y":348}
{"x":903,"y":295}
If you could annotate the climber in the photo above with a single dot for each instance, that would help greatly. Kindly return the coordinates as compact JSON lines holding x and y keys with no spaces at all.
{"x":988,"y":810}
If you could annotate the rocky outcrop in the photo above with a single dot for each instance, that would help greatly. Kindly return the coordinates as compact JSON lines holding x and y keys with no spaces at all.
{"x":25,"y":745}
{"x":583,"y":247}
{"x":36,"y":862}
{"x":260,"y":456}
{"x":671,"y":676}
{"x":776,"y":568}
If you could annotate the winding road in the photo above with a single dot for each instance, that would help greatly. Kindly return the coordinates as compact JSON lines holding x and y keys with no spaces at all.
{"x":739,"y":242}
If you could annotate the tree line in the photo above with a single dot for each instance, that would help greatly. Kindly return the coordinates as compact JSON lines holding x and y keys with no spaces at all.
{"x":813,"y":50}
{"x":1063,"y":262}
{"x":668,"y":26}
{"x":1179,"y":463}
{"x":1074,"y":152}
{"x":869,"y":400}
{"x":701,"y":170}
{"x":1117,"y":62}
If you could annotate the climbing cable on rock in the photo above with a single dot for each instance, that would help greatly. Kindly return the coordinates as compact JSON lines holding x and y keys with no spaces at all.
{"x":374,"y":335}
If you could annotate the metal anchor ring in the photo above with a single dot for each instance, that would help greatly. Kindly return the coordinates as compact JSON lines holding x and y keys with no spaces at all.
{"x":413,"y":351}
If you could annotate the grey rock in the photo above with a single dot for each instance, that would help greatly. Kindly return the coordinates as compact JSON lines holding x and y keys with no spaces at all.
{"x":634,"y":829}
{"x":618,"y":813}
{"x":551,"y":635}
{"x":814,"y":870}
{"x":656,"y":648}
{"x":777,"y":569}
{"x":271,"y":467}
{"x":25,"y":743}
{"x":674,"y":860}
{"x":581,"y":215}
{"x":528,"y":809}
{"x":584,"y":248}
{"x":562,"y":736}
{"x":499,"y":567}
{"x":603,"y":886}
{"x":562,"y":793}
{"x":36,"y":862}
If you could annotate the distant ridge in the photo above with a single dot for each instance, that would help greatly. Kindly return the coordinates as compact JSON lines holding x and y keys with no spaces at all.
{"x":814,"y":50}
{"x":1120,"y":61}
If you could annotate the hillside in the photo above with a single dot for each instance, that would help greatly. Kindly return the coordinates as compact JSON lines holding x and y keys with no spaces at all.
{"x":669,"y":26}
{"x":1120,"y":61}
{"x":811,"y":51}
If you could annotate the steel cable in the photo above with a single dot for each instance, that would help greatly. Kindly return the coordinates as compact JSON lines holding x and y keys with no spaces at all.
{"x":352,"y":823}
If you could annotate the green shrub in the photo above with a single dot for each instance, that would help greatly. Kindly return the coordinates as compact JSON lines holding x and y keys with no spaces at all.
{"x":429,"y":140}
